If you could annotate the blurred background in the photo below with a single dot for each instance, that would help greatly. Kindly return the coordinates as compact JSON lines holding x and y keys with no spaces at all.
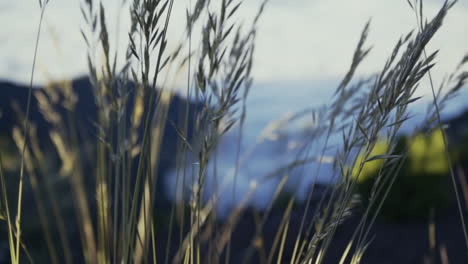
{"x":303,"y":49}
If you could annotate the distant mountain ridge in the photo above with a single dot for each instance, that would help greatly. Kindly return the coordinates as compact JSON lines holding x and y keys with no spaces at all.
{"x":85,"y":116}
{"x":18,"y":94}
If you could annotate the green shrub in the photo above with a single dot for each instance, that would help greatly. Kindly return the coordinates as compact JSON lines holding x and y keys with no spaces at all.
{"x":421,"y":185}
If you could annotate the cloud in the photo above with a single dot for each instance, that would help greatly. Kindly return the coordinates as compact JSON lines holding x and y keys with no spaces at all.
{"x":317,"y":40}
{"x":297,"y":40}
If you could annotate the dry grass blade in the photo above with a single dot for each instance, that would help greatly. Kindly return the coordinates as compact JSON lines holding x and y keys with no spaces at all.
{"x":445,"y":8}
{"x":26,"y":128}
{"x":5,"y":205}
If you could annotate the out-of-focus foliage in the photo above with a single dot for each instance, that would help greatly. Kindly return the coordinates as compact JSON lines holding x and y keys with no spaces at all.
{"x":460,"y":151}
{"x":371,"y":168}
{"x":420,"y":185}
{"x":9,"y":153}
{"x":427,"y":154}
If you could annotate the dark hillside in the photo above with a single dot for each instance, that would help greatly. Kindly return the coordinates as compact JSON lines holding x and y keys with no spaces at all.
{"x":13,"y":102}
{"x":13,"y":96}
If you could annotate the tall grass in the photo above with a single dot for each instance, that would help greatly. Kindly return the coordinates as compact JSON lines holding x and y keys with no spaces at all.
{"x":119,"y":169}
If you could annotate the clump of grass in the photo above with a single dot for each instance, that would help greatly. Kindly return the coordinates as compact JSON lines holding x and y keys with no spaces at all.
{"x":119,"y":223}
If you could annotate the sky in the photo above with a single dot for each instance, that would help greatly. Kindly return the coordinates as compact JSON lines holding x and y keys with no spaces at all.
{"x":298,"y":40}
